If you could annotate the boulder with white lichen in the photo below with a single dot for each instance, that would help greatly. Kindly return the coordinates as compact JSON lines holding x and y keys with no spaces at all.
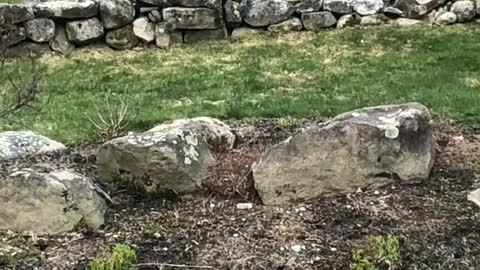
{"x":172,"y":157}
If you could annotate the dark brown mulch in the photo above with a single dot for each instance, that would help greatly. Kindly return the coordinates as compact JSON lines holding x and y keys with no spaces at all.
{"x":437,"y":227}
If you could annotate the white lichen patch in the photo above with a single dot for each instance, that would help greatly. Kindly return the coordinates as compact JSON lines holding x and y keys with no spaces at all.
{"x":392,"y":132}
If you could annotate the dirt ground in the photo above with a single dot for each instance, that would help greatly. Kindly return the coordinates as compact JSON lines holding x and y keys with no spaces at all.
{"x":437,"y":226}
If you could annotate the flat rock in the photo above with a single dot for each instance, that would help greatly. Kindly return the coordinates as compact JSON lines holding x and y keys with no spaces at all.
{"x":258,"y":13}
{"x":243,"y":33}
{"x":144,"y":29}
{"x":367,"y":7}
{"x":316,"y":21}
{"x":121,"y":38}
{"x":84,"y":31}
{"x":60,"y":42}
{"x":40,"y":30}
{"x":50,"y":203}
{"x":116,"y":13}
{"x":172,"y":157}
{"x":290,"y":25}
{"x":465,"y":10}
{"x":205,"y":35}
{"x":308,"y":6}
{"x":13,"y":14}
{"x":338,"y":6}
{"x":193,"y":18}
{"x":15,"y":144}
{"x":370,"y":147}
{"x":66,"y":9}
{"x":232,"y":14}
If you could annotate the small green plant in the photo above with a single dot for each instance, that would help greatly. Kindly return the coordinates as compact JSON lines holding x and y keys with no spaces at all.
{"x":122,"y":257}
{"x":377,"y":251}
{"x":287,"y":122}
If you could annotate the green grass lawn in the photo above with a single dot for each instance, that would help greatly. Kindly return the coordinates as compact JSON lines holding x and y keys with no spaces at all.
{"x":12,"y":1}
{"x":297,"y":75}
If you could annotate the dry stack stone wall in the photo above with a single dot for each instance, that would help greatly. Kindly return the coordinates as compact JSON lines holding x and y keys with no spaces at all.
{"x":62,"y":26}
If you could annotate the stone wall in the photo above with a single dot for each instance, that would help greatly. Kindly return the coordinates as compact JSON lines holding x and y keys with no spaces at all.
{"x":62,"y":26}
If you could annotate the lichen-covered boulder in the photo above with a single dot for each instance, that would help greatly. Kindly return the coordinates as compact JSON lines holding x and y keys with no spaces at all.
{"x":290,"y":25}
{"x":116,"y":13}
{"x":144,"y":29}
{"x":205,"y":35}
{"x":40,"y":30}
{"x":308,"y":6}
{"x":233,"y":16}
{"x":369,"y":147}
{"x":60,"y":42}
{"x":338,"y":6}
{"x":172,"y":157}
{"x":84,"y":31}
{"x":193,"y":18}
{"x":260,"y":13}
{"x":71,"y":9}
{"x":13,"y":14}
{"x":367,"y":7}
{"x":50,"y":203}
{"x":465,"y":10}
{"x":316,"y":21}
{"x":14,"y":144}
{"x":11,"y":34}
{"x":122,"y":38}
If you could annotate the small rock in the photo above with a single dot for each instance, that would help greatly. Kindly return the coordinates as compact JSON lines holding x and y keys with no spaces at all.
{"x":60,"y":42}
{"x":155,"y":16}
{"x":15,"y":144}
{"x":338,"y":6}
{"x":84,"y":31}
{"x":144,"y":29}
{"x":446,"y":18}
{"x":474,"y":197}
{"x":122,"y":38}
{"x":348,"y":20}
{"x":393,"y":11}
{"x":290,"y":25}
{"x":316,"y":21}
{"x":244,"y":206}
{"x":258,"y":13}
{"x":464,"y":9}
{"x":367,"y":7}
{"x":296,"y":248}
{"x":40,"y":30}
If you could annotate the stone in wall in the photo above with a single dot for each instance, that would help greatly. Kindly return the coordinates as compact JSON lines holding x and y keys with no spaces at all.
{"x":84,"y":31}
{"x":205,"y":35}
{"x":60,"y":42}
{"x":290,"y":25}
{"x":338,"y":6}
{"x":155,"y":16}
{"x":11,"y":34}
{"x":40,"y":30}
{"x":185,"y":3}
{"x":371,"y":20}
{"x":316,"y":21}
{"x":144,"y":29}
{"x":27,"y":48}
{"x":417,"y":8}
{"x":192,"y":18}
{"x":116,"y":13}
{"x":233,"y":17}
{"x":260,"y":13}
{"x":66,"y":9}
{"x":121,"y":38}
{"x":243,"y":33}
{"x":446,"y":17}
{"x":165,"y":36}
{"x":308,"y":6}
{"x":13,"y":14}
{"x":367,"y":7}
{"x":348,"y":20}
{"x":465,"y":10}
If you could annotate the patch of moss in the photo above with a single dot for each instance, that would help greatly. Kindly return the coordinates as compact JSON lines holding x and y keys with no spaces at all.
{"x":377,"y":252}
{"x":122,"y":257}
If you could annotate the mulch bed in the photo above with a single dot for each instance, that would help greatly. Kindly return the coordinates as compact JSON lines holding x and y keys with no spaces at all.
{"x":437,"y":226}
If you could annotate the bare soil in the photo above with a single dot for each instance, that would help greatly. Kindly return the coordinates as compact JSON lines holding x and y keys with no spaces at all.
{"x":437,"y":226}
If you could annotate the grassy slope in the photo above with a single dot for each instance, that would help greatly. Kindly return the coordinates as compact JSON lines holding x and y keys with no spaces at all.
{"x":294,"y":75}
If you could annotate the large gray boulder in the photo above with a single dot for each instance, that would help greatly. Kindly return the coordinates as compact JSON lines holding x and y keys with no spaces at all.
{"x":122,"y":38}
{"x":233,"y":16}
{"x":465,"y":10}
{"x":290,"y":25}
{"x":11,"y":34}
{"x":60,"y":42}
{"x":15,"y":144}
{"x":50,"y":203}
{"x":185,"y":3}
{"x":316,"y":21}
{"x":260,"y":13}
{"x":367,"y":7}
{"x":40,"y":30}
{"x":338,"y":6}
{"x":84,"y":31}
{"x":172,"y":157}
{"x":193,"y":18}
{"x":144,"y":29}
{"x":116,"y":13}
{"x":205,"y":35}
{"x":13,"y":14}
{"x":369,"y":147}
{"x":66,"y":9}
